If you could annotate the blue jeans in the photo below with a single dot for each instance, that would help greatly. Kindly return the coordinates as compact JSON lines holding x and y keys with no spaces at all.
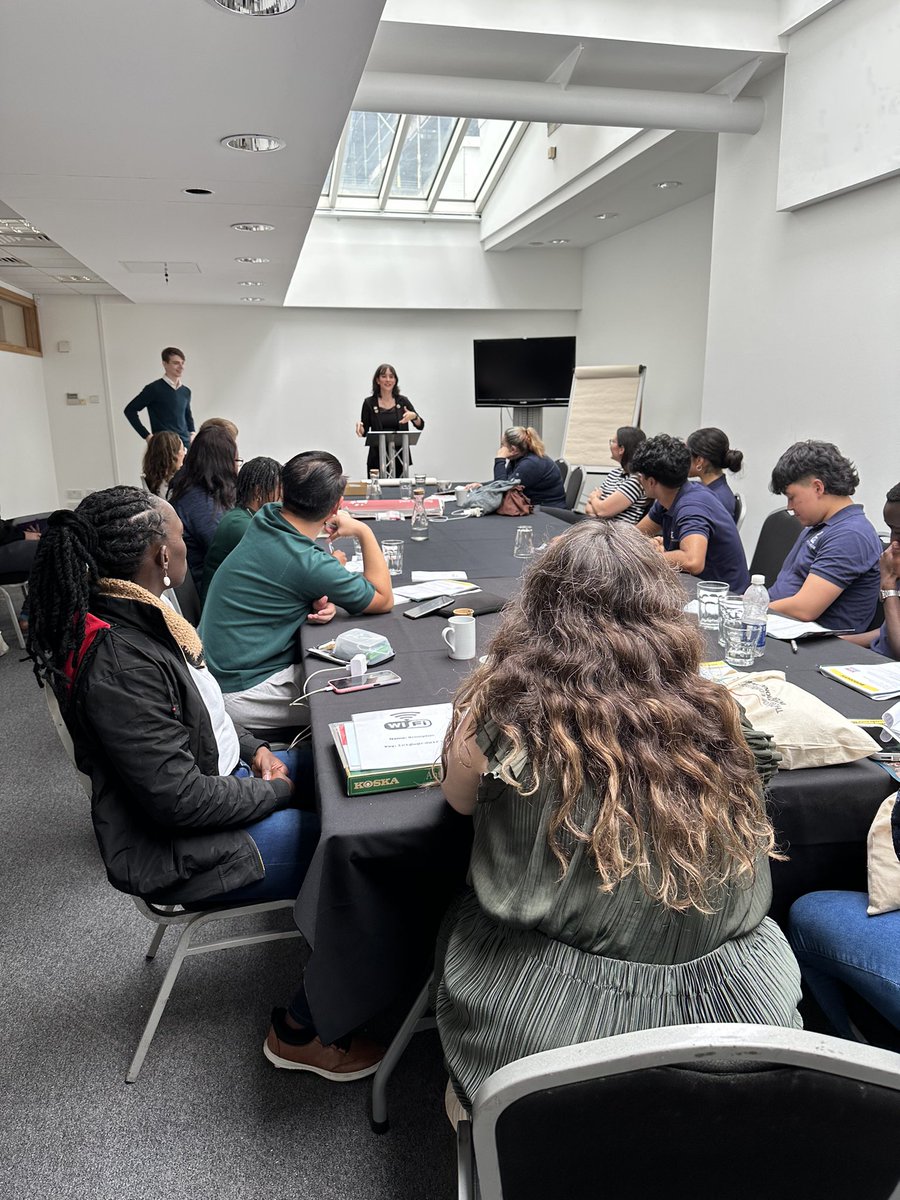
{"x":286,"y":840}
{"x":838,"y":946}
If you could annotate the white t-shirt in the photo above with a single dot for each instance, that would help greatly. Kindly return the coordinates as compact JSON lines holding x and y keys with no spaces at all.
{"x":223,"y":727}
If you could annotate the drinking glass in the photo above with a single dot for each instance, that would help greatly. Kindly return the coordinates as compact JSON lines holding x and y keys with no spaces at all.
{"x":740,"y":644}
{"x":406,"y":489}
{"x":420,"y":480}
{"x":731,"y":612}
{"x":393,"y":555}
{"x":709,"y":592}
{"x":524,"y":545}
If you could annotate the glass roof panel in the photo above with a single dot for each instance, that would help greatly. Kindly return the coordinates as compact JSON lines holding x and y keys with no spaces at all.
{"x":326,"y":186}
{"x":481,"y":145}
{"x":425,"y":146}
{"x":369,"y":142}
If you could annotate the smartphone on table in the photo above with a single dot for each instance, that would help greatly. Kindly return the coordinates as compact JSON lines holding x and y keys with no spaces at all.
{"x":359,"y":683}
{"x":424,"y":607}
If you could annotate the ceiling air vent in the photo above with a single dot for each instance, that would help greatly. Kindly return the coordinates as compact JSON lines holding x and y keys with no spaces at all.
{"x":24,"y":239}
{"x":10,"y":261}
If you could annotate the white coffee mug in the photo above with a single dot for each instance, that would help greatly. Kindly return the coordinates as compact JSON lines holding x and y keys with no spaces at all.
{"x":459,"y":634}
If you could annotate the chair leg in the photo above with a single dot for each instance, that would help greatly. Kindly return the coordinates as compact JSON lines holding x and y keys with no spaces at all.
{"x":162,"y":997}
{"x":14,"y":615}
{"x":155,"y":942}
{"x":393,"y":1054}
{"x":465,"y":1162}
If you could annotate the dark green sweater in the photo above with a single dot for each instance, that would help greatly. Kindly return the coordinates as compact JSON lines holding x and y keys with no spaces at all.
{"x":169,"y":410}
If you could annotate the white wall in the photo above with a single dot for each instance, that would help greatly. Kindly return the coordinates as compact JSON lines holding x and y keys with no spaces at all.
{"x":292,"y":379}
{"x":27,"y":472}
{"x":350,"y":262}
{"x":804,"y":310}
{"x":645,"y":300}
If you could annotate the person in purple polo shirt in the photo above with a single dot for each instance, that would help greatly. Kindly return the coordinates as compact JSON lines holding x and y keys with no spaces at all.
{"x":886,"y":640}
{"x":831,"y":574}
{"x":698,"y":535}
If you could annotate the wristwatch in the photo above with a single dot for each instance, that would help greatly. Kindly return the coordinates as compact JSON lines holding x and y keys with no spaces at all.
{"x":887,"y":593}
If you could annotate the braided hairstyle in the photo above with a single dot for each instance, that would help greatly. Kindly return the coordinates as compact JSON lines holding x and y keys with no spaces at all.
{"x":105,"y":537}
{"x":258,"y":482}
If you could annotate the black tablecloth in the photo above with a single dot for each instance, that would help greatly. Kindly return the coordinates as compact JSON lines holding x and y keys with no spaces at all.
{"x":387,"y":865}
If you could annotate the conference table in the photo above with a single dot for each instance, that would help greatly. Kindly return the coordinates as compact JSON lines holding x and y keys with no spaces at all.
{"x":387,"y":865}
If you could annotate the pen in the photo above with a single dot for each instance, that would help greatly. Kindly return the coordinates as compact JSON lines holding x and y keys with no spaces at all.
{"x":793,"y":646}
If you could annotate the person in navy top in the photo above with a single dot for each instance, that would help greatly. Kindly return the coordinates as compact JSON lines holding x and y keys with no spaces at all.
{"x":886,"y":640}
{"x":711,"y":455}
{"x":522,"y":454}
{"x":698,"y":535}
{"x":167,"y":401}
{"x":831,"y":575}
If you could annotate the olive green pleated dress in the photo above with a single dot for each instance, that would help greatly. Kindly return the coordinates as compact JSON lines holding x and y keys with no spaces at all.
{"x":531,"y":962}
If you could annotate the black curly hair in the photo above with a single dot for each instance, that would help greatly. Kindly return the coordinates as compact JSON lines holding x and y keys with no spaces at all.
{"x":815,"y":460}
{"x":105,"y":537}
{"x":663,"y":458}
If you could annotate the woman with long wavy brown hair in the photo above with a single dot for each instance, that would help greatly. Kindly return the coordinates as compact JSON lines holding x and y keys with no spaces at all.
{"x":619,"y":870}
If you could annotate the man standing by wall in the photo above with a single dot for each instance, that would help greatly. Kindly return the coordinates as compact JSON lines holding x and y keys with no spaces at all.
{"x":167,"y":401}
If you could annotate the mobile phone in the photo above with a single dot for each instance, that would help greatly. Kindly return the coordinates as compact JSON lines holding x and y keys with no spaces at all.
{"x":424,"y":607}
{"x":356,"y":683}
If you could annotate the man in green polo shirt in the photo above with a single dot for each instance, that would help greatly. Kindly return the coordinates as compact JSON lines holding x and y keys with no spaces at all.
{"x":275,"y":579}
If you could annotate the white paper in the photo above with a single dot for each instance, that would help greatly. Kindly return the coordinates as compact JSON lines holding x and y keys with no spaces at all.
{"x":891,"y":720}
{"x":401,"y":737}
{"x":879,"y":680}
{"x":435,"y":587}
{"x":785,"y":629}
{"x":424,"y":576}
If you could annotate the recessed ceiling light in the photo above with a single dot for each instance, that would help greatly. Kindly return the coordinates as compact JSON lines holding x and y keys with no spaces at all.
{"x":197,"y":191}
{"x":669,"y":183}
{"x":252,"y":227}
{"x":249,"y":283}
{"x":605,"y":216}
{"x":535,"y":243}
{"x":253,"y":143}
{"x":252,"y":299}
{"x":256,"y":8}
{"x":74,"y":279}
{"x":559,"y":241}
{"x":252,"y":260}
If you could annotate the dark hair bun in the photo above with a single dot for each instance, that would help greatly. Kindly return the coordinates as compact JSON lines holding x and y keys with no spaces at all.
{"x":734,"y":459}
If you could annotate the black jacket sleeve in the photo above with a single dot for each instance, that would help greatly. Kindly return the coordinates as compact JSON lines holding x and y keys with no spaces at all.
{"x":9,"y":533}
{"x":151,"y":755}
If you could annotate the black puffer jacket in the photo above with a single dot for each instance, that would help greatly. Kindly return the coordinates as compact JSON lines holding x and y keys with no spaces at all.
{"x":169,"y":827}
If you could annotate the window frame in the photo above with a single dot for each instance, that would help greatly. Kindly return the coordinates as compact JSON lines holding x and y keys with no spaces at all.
{"x":32,"y":325}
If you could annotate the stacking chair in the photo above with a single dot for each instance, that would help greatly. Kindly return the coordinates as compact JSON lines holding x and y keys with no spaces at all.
{"x":416,"y":1021}
{"x":711,"y":1112}
{"x":13,"y":613}
{"x":740,"y":509}
{"x":779,"y":531}
{"x":573,"y":486}
{"x":563,"y":468}
{"x":163,"y":916}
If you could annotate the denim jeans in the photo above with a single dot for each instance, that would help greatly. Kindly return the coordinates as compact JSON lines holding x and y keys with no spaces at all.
{"x":286,"y":840}
{"x":838,"y":946}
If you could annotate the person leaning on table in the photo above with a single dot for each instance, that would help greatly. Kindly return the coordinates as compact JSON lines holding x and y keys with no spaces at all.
{"x":698,"y":535}
{"x":831,"y":574}
{"x":886,"y":640}
{"x":277,"y":578}
{"x":616,"y":886}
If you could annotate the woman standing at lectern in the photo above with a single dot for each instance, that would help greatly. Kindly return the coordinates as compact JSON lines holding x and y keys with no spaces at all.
{"x":386,"y":411}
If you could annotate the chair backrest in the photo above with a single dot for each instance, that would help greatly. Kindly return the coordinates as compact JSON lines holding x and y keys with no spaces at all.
{"x":563,"y":468}
{"x":705,"y":1111}
{"x":740,"y":509}
{"x":573,"y":486}
{"x":778,"y":534}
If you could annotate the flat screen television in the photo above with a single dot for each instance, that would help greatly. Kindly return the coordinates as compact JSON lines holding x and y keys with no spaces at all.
{"x":523,"y":371}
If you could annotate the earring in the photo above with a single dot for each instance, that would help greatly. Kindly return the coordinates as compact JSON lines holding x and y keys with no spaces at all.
{"x":167,"y":582}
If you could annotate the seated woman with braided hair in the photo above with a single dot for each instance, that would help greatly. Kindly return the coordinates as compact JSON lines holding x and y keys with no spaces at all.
{"x":619,"y":869}
{"x":187,"y":808}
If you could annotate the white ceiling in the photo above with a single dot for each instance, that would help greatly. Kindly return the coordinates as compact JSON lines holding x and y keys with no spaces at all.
{"x":113,"y":109}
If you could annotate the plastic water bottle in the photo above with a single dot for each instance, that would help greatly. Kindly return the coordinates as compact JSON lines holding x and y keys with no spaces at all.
{"x":756,"y":606}
{"x":418,"y":528}
{"x":373,"y":487}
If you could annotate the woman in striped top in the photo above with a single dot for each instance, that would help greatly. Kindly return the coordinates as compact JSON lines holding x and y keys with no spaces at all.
{"x":621,"y":498}
{"x":619,"y":874}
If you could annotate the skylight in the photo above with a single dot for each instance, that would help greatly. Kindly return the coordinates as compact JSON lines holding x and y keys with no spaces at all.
{"x":417,"y":164}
